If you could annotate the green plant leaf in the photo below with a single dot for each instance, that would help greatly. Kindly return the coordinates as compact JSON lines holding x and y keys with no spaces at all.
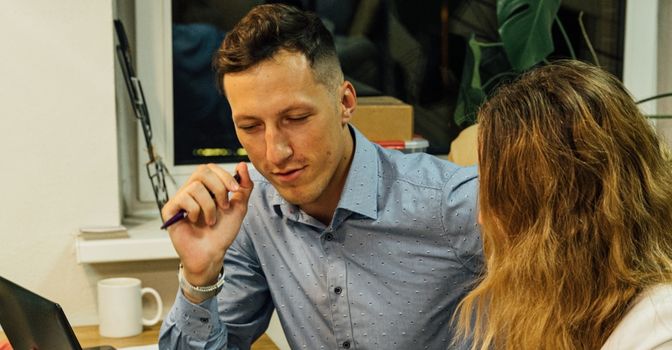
{"x":471,"y":93}
{"x":525,"y":29}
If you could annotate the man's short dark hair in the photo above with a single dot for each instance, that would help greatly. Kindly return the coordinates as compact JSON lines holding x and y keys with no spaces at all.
{"x":267,"y":29}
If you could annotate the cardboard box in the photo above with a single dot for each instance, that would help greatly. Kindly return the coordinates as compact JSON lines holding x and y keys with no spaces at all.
{"x":383,"y":118}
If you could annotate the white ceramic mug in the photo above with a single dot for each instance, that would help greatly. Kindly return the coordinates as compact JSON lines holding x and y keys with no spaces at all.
{"x":120,"y":307}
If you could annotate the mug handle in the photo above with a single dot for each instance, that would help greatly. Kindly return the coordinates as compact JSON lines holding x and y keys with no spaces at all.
{"x":159,"y":306}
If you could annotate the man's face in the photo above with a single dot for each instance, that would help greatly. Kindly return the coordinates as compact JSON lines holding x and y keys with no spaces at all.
{"x":292,"y":127}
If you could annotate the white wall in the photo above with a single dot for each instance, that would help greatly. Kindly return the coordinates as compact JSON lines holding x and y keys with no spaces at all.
{"x":664,"y":106}
{"x":58,"y":150}
{"x":640,"y":54}
{"x":646,"y":68}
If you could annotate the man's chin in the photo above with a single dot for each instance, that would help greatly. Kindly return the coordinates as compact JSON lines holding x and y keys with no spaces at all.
{"x":294,"y":195}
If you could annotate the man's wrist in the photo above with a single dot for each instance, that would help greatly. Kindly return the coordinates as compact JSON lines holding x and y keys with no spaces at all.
{"x":198,"y":294}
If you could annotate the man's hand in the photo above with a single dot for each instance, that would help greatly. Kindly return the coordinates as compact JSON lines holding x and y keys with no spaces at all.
{"x":213,"y":220}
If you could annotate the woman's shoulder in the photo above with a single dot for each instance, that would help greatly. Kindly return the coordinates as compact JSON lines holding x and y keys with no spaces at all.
{"x":648,"y":323}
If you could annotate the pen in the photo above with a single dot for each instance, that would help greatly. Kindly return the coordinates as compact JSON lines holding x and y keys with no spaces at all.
{"x":183,"y":214}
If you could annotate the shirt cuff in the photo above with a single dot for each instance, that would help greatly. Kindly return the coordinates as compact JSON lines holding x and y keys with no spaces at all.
{"x":198,"y":321}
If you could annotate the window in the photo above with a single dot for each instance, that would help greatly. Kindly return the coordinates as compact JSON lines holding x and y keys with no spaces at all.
{"x":413,"y":51}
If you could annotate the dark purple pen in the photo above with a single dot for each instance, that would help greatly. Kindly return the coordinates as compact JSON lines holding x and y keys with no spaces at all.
{"x":183,"y":214}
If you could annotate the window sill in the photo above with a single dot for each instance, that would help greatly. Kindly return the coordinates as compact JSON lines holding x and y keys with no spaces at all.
{"x":146,"y":242}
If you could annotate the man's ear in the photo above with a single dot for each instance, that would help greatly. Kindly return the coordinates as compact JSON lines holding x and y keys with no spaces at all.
{"x":348,"y":101}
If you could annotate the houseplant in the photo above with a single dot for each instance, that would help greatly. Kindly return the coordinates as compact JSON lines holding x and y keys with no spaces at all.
{"x":524,"y":28}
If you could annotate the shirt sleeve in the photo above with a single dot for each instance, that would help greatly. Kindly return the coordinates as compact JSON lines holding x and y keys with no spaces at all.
{"x":234,"y":319}
{"x":460,"y":217}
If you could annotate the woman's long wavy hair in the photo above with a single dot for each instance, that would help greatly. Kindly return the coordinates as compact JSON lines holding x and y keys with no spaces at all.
{"x":576,"y":208}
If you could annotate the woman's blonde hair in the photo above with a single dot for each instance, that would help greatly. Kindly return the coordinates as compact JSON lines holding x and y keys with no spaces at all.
{"x":576,"y":207}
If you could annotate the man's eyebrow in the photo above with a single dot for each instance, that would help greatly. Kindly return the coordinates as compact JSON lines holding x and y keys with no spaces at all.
{"x":287,"y":110}
{"x":296,"y":106}
{"x":243,"y":117}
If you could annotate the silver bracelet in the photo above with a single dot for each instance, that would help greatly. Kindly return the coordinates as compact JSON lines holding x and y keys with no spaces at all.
{"x":205,"y":292}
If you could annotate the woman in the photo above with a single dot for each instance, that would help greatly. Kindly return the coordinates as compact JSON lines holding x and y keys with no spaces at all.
{"x":576,"y":208}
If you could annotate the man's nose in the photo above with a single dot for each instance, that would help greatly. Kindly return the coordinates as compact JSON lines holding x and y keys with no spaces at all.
{"x":278,"y":148}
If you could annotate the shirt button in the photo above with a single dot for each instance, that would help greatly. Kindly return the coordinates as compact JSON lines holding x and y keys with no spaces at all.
{"x":346,"y":344}
{"x":329,"y":237}
{"x":338,"y":290}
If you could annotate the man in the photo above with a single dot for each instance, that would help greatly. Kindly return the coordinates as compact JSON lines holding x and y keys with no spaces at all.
{"x":353,"y":245}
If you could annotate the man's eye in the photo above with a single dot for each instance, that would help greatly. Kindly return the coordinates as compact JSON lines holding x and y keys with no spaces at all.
{"x":298,"y":118}
{"x":247,"y":127}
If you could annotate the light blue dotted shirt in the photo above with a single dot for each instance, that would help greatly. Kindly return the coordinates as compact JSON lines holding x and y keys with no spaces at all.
{"x":387,"y":273}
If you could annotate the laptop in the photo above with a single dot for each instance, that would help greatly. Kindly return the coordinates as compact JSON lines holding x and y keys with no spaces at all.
{"x":33,"y":322}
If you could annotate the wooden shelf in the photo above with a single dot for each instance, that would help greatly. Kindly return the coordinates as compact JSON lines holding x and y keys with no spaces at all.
{"x":89,"y":336}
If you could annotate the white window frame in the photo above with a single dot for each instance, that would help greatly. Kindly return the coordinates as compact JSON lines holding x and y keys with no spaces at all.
{"x":153,"y":55}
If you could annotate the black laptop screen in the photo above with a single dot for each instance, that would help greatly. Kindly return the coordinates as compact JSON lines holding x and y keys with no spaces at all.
{"x":33,"y":322}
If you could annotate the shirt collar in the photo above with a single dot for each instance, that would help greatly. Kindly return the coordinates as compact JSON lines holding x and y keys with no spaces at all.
{"x":360,"y":192}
